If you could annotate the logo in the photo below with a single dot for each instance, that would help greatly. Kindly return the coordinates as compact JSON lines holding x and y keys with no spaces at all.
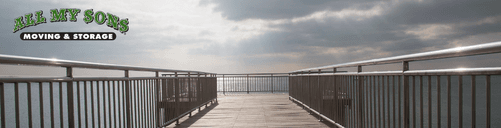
{"x":65,"y":14}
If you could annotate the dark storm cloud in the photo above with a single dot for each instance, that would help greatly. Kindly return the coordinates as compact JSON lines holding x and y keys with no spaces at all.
{"x":335,"y":32}
{"x":408,"y":45}
{"x":385,"y":32}
{"x":442,"y":11}
{"x":479,"y":29}
{"x":279,"y":9}
{"x":330,"y":33}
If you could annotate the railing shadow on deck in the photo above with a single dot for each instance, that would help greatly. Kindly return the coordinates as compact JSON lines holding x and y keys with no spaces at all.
{"x":316,"y":115}
{"x":197,"y":116}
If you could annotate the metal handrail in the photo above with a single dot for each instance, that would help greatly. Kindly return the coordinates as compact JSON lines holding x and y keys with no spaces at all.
{"x":453,"y":71}
{"x":487,"y":48}
{"x":17,"y":60}
{"x":252,"y":74}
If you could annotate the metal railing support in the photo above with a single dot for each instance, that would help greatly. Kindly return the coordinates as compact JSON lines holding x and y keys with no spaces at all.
{"x":360,"y":111}
{"x":247,"y":83}
{"x":158,"y":99}
{"x":309,"y":90}
{"x":488,"y":100}
{"x":271,"y":83}
{"x":473,"y":102}
{"x":199,"y":95}
{"x":71,"y":113}
{"x":189,"y":91}
{"x":321,"y":95}
{"x":405,"y":66}
{"x":2,"y":104}
{"x":69,"y":72}
{"x":128,"y":100}
{"x":224,"y":87}
{"x":176,"y":93}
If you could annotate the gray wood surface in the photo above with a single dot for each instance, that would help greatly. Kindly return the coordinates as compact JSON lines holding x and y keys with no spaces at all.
{"x":252,"y":110}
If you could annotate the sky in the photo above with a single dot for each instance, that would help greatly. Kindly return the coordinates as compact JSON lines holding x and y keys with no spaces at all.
{"x":237,"y":36}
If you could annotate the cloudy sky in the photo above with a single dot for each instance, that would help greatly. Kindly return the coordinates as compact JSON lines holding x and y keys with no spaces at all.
{"x":237,"y":36}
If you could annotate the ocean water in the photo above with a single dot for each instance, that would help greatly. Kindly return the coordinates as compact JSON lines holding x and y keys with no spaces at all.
{"x":253,"y":84}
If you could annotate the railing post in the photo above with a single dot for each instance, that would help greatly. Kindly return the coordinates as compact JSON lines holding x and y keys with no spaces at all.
{"x":157,"y":110}
{"x":205,"y":88}
{"x":405,"y":66}
{"x":2,"y":103}
{"x":309,"y":90}
{"x":334,"y":103}
{"x":199,"y":93}
{"x":247,"y":83}
{"x":189,"y":91}
{"x":214,"y":93}
{"x":214,"y":87}
{"x":69,"y":72}
{"x":224,"y":87}
{"x":302,"y":92}
{"x":271,"y":83}
{"x":127,"y":99}
{"x":69,"y":87}
{"x":321,"y":95}
{"x":360,"y":96}
{"x":289,"y":85}
{"x":473,"y":103}
{"x":176,"y":93}
{"x":488,"y":89}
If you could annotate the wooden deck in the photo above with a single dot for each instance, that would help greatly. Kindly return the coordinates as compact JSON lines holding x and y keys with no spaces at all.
{"x":252,"y":110}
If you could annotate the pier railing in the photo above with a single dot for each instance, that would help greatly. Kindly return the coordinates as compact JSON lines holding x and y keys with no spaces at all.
{"x":253,"y":82}
{"x":69,"y":101}
{"x":406,"y":98}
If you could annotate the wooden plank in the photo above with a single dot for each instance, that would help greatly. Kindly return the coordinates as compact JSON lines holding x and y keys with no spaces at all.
{"x":252,"y":110}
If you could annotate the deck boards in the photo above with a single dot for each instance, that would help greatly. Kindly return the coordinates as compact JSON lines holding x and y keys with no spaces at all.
{"x":252,"y":110}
